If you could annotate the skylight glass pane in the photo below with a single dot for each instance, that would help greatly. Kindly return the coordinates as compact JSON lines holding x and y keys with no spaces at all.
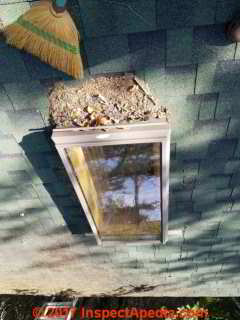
{"x":122,"y":187}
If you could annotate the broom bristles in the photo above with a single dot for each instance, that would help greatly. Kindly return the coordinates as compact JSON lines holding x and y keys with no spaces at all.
{"x":51,"y":37}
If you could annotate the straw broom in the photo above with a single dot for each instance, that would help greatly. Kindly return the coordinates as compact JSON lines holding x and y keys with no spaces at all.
{"x":48,"y":32}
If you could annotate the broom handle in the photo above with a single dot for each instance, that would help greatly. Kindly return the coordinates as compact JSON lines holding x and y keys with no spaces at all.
{"x":59,"y":5}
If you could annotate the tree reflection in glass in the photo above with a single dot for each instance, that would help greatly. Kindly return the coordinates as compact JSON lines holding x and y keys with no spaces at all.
{"x":121,"y":185}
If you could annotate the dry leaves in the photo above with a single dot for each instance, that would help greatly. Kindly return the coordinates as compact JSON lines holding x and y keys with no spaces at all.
{"x":103,"y":101}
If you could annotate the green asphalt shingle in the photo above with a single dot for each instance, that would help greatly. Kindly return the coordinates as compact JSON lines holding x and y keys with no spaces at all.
{"x":27,"y":95}
{"x":104,"y":18}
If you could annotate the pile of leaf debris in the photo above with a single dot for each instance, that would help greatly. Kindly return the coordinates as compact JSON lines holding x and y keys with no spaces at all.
{"x":102,"y":101}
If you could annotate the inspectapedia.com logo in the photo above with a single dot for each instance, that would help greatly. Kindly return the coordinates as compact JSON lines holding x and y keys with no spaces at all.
{"x":82,"y":313}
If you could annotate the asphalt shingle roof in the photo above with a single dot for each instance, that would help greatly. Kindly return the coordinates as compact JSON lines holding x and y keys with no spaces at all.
{"x":180,"y":50}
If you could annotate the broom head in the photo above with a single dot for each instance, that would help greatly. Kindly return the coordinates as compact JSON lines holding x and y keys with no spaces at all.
{"x":50,"y":36}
